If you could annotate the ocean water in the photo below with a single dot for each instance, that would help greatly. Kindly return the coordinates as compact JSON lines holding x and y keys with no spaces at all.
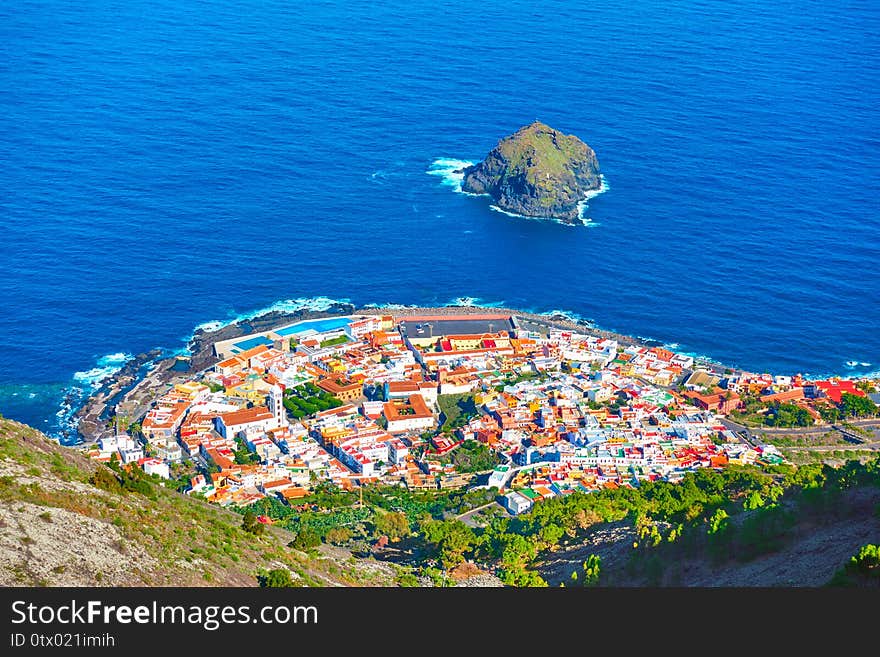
{"x":169,"y":164}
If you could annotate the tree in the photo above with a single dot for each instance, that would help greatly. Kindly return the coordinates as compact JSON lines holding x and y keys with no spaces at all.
{"x":106,"y":480}
{"x":550,"y":534}
{"x":306,"y":538}
{"x":829,"y":414}
{"x":866,"y":562}
{"x":753,"y":501}
{"x":276,"y":578}
{"x":393,"y":524}
{"x":451,"y":540}
{"x":338,"y":535}
{"x":856,"y":406}
{"x":250,"y":524}
{"x":788,"y":415}
{"x":592,"y":567}
{"x":718,"y":521}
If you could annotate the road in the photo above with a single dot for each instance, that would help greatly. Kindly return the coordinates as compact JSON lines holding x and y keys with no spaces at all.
{"x":467,"y":516}
{"x":743,"y":432}
{"x":863,"y":447}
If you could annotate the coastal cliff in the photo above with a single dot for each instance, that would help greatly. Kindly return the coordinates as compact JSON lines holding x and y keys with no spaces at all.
{"x":538,"y":172}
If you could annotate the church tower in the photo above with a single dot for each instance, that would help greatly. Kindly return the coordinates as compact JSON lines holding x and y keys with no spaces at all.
{"x":276,"y":405}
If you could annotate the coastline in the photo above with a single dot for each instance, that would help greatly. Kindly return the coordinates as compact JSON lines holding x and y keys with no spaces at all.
{"x":131,"y":390}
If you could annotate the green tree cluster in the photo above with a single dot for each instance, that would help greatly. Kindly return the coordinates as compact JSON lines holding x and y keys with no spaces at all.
{"x":855,"y":406}
{"x":308,"y":399}
{"x":787,"y":415}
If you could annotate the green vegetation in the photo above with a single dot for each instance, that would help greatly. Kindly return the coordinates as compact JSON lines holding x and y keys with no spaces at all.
{"x":275,"y":578}
{"x":737,"y":513}
{"x":866,"y":386}
{"x":305,"y":539}
{"x":106,"y":480}
{"x":242,"y":455}
{"x":776,"y":414}
{"x":450,"y":540}
{"x":393,"y":524}
{"x":118,"y":480}
{"x":251,"y":525}
{"x":332,"y":342}
{"x":308,"y":399}
{"x":592,"y":568}
{"x":855,"y":406}
{"x":338,"y":536}
{"x":472,"y":456}
{"x":214,"y":386}
{"x":457,"y":410}
{"x":407,"y":580}
{"x":388,"y":510}
{"x":553,"y":151}
{"x":829,"y":414}
{"x":787,"y":415}
{"x":863,"y":568}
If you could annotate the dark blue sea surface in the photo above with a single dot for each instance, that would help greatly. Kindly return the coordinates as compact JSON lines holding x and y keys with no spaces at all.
{"x":166,"y":163}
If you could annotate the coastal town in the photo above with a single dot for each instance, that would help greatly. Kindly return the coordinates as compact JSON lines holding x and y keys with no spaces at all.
{"x":441,"y":401}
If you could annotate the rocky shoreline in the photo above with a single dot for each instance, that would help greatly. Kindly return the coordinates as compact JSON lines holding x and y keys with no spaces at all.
{"x":130,"y":391}
{"x":138,"y":387}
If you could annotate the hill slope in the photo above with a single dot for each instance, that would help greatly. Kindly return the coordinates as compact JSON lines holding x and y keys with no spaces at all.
{"x":808,"y":553}
{"x":59,"y":529}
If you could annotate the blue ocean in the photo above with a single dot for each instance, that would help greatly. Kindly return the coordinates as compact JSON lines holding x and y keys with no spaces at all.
{"x":164,"y":164}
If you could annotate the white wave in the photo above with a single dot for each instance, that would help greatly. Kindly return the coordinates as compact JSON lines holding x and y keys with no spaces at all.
{"x":212,"y":325}
{"x":567,"y":314}
{"x":389,"y":306}
{"x":554,"y":220}
{"x":863,"y":364}
{"x":512,"y":214}
{"x":584,"y":205}
{"x":473,"y":302}
{"x":105,"y":367}
{"x":449,"y":171}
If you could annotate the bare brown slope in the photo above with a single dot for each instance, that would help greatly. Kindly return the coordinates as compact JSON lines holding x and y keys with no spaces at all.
{"x":57,"y":529}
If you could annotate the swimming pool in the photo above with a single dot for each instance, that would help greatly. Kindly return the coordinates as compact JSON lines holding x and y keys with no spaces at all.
{"x":318,"y":325}
{"x":250,"y":343}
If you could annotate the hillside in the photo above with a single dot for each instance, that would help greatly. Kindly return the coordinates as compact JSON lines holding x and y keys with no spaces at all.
{"x":537,"y":172}
{"x":808,"y":552}
{"x":59,"y":529}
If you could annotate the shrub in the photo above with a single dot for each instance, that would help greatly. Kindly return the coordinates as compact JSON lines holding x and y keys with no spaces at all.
{"x":408,"y":580}
{"x":338,"y":535}
{"x":305,"y":539}
{"x":106,"y":480}
{"x":275,"y":578}
{"x":251,"y":525}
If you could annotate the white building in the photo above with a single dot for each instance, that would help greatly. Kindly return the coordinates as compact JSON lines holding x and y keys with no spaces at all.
{"x":157,"y":467}
{"x":499,"y":476}
{"x":517,"y":503}
{"x":131,"y":455}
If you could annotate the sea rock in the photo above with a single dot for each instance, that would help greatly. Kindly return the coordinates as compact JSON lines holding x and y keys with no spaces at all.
{"x":537,"y":172}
